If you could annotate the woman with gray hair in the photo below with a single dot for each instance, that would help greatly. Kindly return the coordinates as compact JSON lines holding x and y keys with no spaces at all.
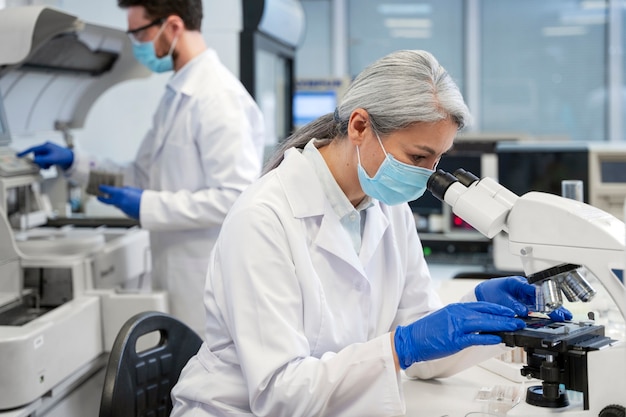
{"x":394,"y":97}
{"x":317,"y":292}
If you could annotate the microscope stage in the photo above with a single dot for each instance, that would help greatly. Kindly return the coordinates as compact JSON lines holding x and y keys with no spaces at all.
{"x":557,"y":336}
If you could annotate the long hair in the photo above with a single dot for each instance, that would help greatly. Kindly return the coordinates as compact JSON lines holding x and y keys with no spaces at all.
{"x":398,"y":90}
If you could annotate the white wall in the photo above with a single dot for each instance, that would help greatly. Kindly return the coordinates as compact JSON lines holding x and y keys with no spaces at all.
{"x":313,"y":56}
{"x":221,"y":25}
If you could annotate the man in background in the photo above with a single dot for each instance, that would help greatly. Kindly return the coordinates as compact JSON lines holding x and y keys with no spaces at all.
{"x":204,"y":147}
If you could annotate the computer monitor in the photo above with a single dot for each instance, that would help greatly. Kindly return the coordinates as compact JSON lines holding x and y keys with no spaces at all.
{"x":5,"y":136}
{"x":526,"y":167}
{"x":309,"y":105}
{"x":542,"y":167}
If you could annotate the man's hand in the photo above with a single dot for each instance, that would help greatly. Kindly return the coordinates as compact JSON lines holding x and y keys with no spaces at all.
{"x":49,"y":154}
{"x":127,"y":199}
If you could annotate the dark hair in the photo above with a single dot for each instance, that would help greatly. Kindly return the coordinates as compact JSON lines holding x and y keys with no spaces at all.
{"x":190,"y":11}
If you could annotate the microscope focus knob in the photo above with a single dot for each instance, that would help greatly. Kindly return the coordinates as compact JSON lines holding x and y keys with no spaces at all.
{"x":613,"y":410}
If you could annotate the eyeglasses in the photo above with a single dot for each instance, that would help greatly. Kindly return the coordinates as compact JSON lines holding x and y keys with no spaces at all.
{"x":133,"y":33}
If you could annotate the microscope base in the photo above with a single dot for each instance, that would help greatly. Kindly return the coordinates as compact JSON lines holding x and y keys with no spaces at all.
{"x":534,"y":396}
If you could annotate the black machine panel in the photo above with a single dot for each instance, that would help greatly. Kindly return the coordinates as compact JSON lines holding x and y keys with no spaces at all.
{"x":525,"y":168}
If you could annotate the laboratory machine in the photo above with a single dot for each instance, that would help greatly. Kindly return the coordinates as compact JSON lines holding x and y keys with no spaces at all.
{"x":65,"y":291}
{"x":524,"y":166}
{"x":542,"y":166}
{"x":562,"y":244}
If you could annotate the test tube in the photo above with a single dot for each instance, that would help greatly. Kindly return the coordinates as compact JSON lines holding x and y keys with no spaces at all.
{"x":572,"y":189}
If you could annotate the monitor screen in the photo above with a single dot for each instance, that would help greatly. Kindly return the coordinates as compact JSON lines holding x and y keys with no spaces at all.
{"x":309,"y":105}
{"x":613,"y":171}
{"x":534,"y":169}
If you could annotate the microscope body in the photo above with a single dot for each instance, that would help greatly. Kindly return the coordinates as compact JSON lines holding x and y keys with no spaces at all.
{"x":555,"y":238}
{"x":560,"y":354}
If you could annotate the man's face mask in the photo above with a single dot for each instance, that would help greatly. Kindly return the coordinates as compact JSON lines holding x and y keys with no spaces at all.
{"x":395,"y":182}
{"x":145,"y":53}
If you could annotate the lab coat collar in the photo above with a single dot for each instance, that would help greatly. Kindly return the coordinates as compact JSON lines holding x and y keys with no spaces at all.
{"x":376,"y":224}
{"x":184,"y":82}
{"x":339,"y":245}
{"x":303,"y":189}
{"x":306,"y":199}
{"x":187,"y":79}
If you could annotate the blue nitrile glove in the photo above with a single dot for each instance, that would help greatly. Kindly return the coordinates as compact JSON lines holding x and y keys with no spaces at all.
{"x":451,"y":329}
{"x":560,"y":314}
{"x":515,"y":293}
{"x":49,"y":154}
{"x":127,"y":199}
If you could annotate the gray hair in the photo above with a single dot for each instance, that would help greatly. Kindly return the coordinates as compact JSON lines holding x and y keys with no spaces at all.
{"x":398,"y":90}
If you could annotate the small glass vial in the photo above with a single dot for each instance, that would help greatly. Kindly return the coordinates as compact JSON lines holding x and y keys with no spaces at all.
{"x":572,"y":189}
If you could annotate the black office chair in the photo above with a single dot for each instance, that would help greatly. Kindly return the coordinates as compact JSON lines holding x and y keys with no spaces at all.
{"x":138,"y":384}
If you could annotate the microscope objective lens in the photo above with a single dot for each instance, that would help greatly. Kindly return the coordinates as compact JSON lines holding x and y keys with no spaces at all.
{"x":543,"y":304}
{"x":540,"y":304}
{"x":579,"y":286}
{"x":551,"y":295}
{"x":565,"y":289}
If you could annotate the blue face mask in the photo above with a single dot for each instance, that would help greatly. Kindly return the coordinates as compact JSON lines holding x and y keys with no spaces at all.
{"x":394,"y":182}
{"x":144,"y":53}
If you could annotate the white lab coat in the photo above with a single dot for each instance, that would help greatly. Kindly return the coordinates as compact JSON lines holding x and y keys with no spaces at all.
{"x":298,"y":323}
{"x":204,"y":148}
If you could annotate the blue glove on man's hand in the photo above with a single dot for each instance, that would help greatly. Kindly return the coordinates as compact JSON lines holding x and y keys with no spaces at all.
{"x":451,"y":329}
{"x":127,"y":199}
{"x":49,"y":154}
{"x":515,"y":293}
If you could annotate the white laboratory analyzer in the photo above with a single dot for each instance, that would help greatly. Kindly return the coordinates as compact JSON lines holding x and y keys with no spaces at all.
{"x":65,"y":290}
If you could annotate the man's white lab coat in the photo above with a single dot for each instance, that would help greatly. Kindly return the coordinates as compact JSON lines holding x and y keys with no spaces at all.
{"x":204,"y":148}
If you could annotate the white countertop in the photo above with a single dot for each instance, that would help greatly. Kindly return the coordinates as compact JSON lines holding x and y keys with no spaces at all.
{"x":473,"y":392}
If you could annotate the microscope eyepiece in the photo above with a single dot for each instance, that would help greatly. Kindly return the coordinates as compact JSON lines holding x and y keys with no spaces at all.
{"x":439,"y":182}
{"x":465,"y":177}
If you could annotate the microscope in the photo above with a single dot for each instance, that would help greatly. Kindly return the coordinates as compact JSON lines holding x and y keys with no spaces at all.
{"x":559,"y":241}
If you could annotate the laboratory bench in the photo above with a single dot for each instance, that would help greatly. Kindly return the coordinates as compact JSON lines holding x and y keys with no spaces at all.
{"x":80,"y":397}
{"x":477,"y":392}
